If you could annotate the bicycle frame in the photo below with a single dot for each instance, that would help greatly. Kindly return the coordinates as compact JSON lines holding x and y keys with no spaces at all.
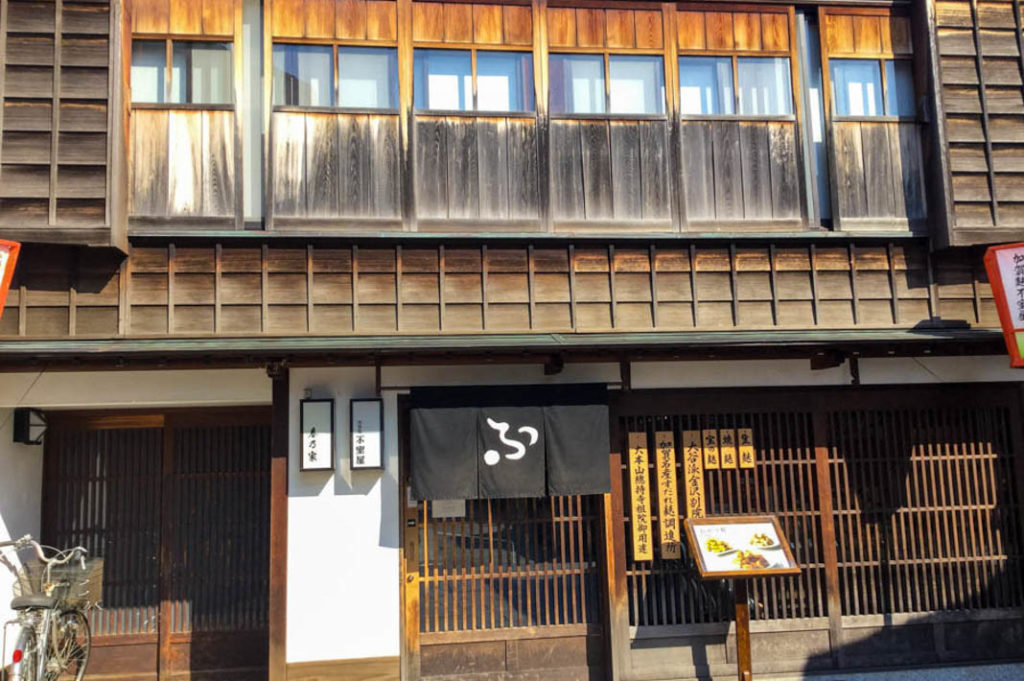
{"x":30,"y":634}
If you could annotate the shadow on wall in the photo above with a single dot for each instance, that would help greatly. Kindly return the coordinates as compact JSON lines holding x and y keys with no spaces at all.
{"x":928,"y":520}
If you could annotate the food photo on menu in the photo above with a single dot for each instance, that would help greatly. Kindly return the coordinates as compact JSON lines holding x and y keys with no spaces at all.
{"x":740,"y":546}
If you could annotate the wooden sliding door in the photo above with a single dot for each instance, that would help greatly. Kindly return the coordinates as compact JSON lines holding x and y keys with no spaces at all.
{"x":177,"y":505}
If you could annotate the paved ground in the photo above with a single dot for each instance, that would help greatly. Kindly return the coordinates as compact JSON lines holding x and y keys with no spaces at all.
{"x":994,"y":672}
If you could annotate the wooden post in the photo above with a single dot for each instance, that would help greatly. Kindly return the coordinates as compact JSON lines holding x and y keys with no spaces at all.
{"x":278,"y":614}
{"x":743,"y":666}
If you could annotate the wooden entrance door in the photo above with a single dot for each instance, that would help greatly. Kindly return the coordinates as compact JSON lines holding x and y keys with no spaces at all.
{"x":504,"y":588}
{"x":177,"y":504}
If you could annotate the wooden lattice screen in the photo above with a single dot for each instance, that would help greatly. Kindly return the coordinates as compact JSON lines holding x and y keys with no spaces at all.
{"x":510,"y":563}
{"x":669,"y":591}
{"x":924,"y":486}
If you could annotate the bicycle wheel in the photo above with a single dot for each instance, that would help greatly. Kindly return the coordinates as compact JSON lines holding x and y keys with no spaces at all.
{"x":30,"y":656}
{"x":71,"y":643}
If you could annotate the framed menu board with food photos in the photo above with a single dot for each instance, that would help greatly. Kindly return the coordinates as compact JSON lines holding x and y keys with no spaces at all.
{"x":740,"y":546}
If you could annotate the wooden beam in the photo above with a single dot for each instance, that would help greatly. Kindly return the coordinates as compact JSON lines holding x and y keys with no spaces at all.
{"x":828,"y":535}
{"x":277,"y":617}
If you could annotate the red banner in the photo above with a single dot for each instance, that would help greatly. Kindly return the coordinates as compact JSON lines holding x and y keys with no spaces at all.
{"x":1005,"y":267}
{"x":8,"y":259}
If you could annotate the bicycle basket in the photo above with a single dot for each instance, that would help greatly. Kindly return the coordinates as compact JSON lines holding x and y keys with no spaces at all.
{"x":72,"y":586}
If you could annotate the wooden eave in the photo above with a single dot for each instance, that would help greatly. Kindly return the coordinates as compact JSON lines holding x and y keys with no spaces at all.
{"x":491,"y":348}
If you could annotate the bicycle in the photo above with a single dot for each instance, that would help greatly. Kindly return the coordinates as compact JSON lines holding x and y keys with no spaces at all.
{"x":50,"y":599}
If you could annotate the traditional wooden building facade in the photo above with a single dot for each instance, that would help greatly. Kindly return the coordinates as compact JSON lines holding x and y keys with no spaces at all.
{"x":764,"y":217}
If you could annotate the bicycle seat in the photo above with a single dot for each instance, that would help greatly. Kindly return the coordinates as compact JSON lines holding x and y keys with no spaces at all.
{"x":34,"y":601}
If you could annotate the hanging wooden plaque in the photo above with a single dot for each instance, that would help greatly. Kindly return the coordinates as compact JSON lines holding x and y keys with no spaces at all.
{"x":693,"y":474}
{"x":668,"y":497}
{"x":711,"y":453}
{"x":727,"y":448}
{"x":745,"y":443}
{"x":639,"y":492}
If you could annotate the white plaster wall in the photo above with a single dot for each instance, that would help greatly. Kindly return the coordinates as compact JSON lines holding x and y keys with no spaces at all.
{"x":21,"y":485}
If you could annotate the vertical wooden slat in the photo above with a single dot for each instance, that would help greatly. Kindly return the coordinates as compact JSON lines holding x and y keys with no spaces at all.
{"x":277,"y":618}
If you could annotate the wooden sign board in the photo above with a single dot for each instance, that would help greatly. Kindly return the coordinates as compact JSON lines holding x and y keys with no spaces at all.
{"x":745,"y":443}
{"x":711,"y":454}
{"x":727,"y":447}
{"x":8,"y":259}
{"x":740,"y":546}
{"x":693,"y":474}
{"x":317,"y":447}
{"x":1005,"y":268}
{"x":668,"y":497}
{"x":640,"y":495}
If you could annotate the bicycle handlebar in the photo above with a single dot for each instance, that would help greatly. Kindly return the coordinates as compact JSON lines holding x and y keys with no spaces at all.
{"x":60,"y":558}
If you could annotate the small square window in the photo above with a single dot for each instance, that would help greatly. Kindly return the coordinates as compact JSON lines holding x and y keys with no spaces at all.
{"x":149,"y":71}
{"x":705,"y":86}
{"x":504,"y":81}
{"x":577,"y":84}
{"x":303,"y":75}
{"x":201,"y":73}
{"x":764,"y":86}
{"x":856,"y":87}
{"x":368,"y":77}
{"x":443,"y":80}
{"x":636,"y":84}
{"x":899,"y":82}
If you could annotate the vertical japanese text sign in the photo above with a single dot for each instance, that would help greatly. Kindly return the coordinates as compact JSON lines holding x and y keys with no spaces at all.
{"x":1005,"y":268}
{"x":317,"y":448}
{"x":639,"y":491}
{"x":711,"y":455}
{"x":668,"y":498}
{"x":745,"y":440}
{"x":728,"y":448}
{"x":693,"y":474}
{"x":8,"y":259}
{"x":365,"y":422}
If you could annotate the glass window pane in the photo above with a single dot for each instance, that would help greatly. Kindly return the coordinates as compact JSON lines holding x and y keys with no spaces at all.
{"x":856,"y":87}
{"x":504,"y":81}
{"x":705,"y":86}
{"x":368,"y":77}
{"x":149,"y":69}
{"x":577,"y":83}
{"x":899,"y":80}
{"x":303,"y":75}
{"x":636,"y":84}
{"x":764,"y":86}
{"x":442,"y":80}
{"x":201,"y":73}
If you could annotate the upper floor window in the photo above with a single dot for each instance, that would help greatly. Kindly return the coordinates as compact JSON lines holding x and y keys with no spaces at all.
{"x":754,"y":86}
{"x":304,"y":76}
{"x":872,"y":87}
{"x":200,"y":72}
{"x":472,"y":80}
{"x":636,"y":84}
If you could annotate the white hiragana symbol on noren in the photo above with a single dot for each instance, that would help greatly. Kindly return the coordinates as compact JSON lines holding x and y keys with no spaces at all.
{"x":492,"y":457}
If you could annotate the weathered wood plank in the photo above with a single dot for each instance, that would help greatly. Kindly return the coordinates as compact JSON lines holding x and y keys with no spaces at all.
{"x":381,"y":20}
{"x":624,"y":139}
{"x":517,"y":25}
{"x":878,"y":171}
{"x":492,"y":142}
{"x":354,"y":154}
{"x":385,"y":175}
{"x":523,"y":170}
{"x":908,"y":169}
{"x":698,"y":170}
{"x":185,"y":162}
{"x":463,"y":168}
{"x":597,"y":171}
{"x":850,"y":170}
{"x":783,"y":164}
{"x":755,"y":170}
{"x":487,"y":24}
{"x":725,"y":143}
{"x":218,"y":17}
{"x":654,"y":171}
{"x":218,"y":163}
{"x":149,"y":162}
{"x":323,"y":166}
{"x":561,"y":26}
{"x":431,"y":171}
{"x":289,"y":156}
{"x":566,"y":171}
{"x":350,"y":19}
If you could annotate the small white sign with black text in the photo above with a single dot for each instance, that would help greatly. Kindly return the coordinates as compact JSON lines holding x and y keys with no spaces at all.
{"x":366,"y":421}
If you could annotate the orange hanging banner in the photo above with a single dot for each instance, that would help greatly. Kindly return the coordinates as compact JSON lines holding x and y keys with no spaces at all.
{"x":8,"y":259}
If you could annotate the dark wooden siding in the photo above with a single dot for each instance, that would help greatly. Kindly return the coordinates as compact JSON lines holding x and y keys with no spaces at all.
{"x":980,"y":60}
{"x":55,"y":121}
{"x":201,"y":290}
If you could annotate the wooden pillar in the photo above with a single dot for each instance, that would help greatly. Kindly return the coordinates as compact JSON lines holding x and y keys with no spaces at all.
{"x":277,"y":612}
{"x":828,"y":536}
{"x":744,"y":668}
